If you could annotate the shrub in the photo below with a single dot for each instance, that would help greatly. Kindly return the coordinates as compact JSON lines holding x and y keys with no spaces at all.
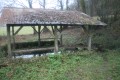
{"x":106,"y":39}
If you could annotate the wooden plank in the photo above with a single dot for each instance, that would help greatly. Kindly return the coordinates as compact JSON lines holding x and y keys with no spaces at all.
{"x":56,"y":40}
{"x":32,"y":50}
{"x":18,"y":30}
{"x":49,"y":49}
{"x":49,"y":39}
{"x":9,"y":42}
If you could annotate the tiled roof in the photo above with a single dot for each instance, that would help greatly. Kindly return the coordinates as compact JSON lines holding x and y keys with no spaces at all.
{"x":40,"y":16}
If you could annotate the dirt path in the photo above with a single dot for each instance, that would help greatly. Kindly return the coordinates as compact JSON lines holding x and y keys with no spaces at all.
{"x":106,"y":66}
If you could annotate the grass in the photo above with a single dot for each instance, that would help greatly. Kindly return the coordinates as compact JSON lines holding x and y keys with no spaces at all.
{"x":25,"y":30}
{"x":2,"y":31}
{"x":67,"y":66}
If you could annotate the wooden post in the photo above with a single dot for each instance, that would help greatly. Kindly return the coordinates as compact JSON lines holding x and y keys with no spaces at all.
{"x":13,"y":40}
{"x":87,"y":29}
{"x":89,"y":42}
{"x":56,"y":40}
{"x":89,"y":38}
{"x":9,"y":42}
{"x":61,"y":37}
{"x":39,"y":28}
{"x":13,"y":37}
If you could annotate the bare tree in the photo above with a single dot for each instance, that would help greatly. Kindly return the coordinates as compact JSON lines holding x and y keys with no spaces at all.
{"x":83,"y":6}
{"x":72,"y":6}
{"x":67,"y":4}
{"x":42,"y":3}
{"x":63,"y":4}
{"x":6,"y":3}
{"x":60,"y":4}
{"x":30,"y":2}
{"x":77,"y":5}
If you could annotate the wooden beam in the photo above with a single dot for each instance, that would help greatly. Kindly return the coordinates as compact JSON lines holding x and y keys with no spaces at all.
{"x":27,"y":51}
{"x":56,"y":40}
{"x":46,"y":39}
{"x":39,"y":32}
{"x":32,"y":51}
{"x":13,"y":37}
{"x":18,"y":30}
{"x":89,"y":38}
{"x":48,"y":24}
{"x":61,"y":37}
{"x":53,"y":30}
{"x":34,"y":29}
{"x":89,"y":42}
{"x":58,"y":29}
{"x":87,"y":30}
{"x":9,"y":43}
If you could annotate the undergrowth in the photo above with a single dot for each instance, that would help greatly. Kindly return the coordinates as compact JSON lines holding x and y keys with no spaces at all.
{"x":66,"y":66}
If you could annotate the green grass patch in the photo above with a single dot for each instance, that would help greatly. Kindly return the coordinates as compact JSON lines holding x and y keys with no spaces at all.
{"x":24,"y":31}
{"x":2,"y":31}
{"x":72,"y":66}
